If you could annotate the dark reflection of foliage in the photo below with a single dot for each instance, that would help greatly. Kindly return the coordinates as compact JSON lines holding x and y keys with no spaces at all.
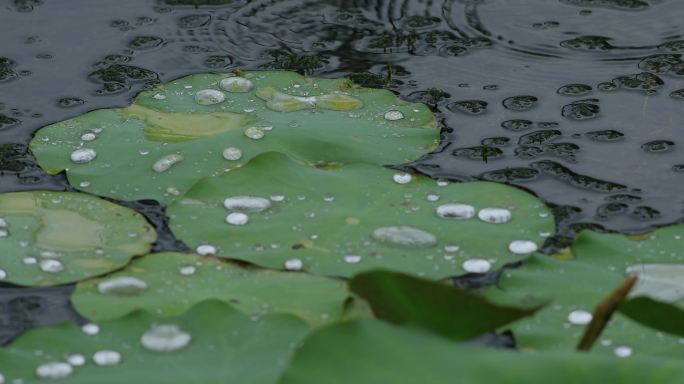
{"x":539,"y":137}
{"x":624,"y":198}
{"x":292,"y":61}
{"x":16,"y":159}
{"x":517,"y":125}
{"x":471,"y":107}
{"x":117,"y":78}
{"x":520,"y":103}
{"x":574,"y":90}
{"x":26,"y":5}
{"x":581,"y":110}
{"x":560,"y":172}
{"x":478,"y":282}
{"x":431,"y":96}
{"x":197,"y":2}
{"x":588,"y":43}
{"x":658,"y":146}
{"x":611,"y":209}
{"x":605,"y":135}
{"x":482,"y":152}
{"x":7,"y":69}
{"x":496,"y":141}
{"x":511,"y":174}
{"x":644,"y":81}
{"x":145,"y":42}
{"x":645,"y":213}
{"x":7,"y":122}
{"x":619,"y":4}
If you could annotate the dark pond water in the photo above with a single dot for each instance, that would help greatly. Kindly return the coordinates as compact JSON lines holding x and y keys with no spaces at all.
{"x":580,"y":102}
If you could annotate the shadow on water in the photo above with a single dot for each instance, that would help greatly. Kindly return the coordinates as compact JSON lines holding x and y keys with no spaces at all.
{"x":576,"y":101}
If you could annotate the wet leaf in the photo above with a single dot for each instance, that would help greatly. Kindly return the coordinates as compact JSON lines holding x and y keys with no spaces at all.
{"x":174,"y":135}
{"x":176,"y":282}
{"x":49,"y":238}
{"x":443,"y":309}
{"x":373,"y":352}
{"x":355,"y":218}
{"x":209,"y":344}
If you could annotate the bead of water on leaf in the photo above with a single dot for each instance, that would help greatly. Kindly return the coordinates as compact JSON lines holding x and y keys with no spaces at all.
{"x":246,"y":203}
{"x":277,"y":198}
{"x":451,"y":248}
{"x":393,"y":115}
{"x":232,"y":153}
{"x":165,"y":338}
{"x":3,"y":274}
{"x":442,"y":183}
{"x":205,"y":249}
{"x":166,"y":162}
{"x":476,"y":265}
{"x":402,"y":178}
{"x":83,"y":155}
{"x":90,"y":329}
{"x":187,"y":270}
{"x":494,"y":215}
{"x":293,"y":264}
{"x":352,"y":259}
{"x":51,"y":266}
{"x":28,"y":260}
{"x":2,"y":379}
{"x":236,"y":84}
{"x":622,"y":351}
{"x":54,"y":370}
{"x":404,"y":236}
{"x":455,"y":211}
{"x":522,"y":246}
{"x":76,"y":360}
{"x":209,"y":97}
{"x":432,"y":197}
{"x":254,"y":133}
{"x":106,"y":357}
{"x":84,"y":184}
{"x":89,"y":136}
{"x":579,"y":317}
{"x":237,"y":218}
{"x":159,"y":96}
{"x":122,"y":285}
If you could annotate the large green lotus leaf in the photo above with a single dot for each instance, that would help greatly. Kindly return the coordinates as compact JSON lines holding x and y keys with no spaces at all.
{"x":312,"y":120}
{"x":355,"y":218}
{"x":371,"y":352}
{"x":177,"y":281}
{"x":443,"y":309}
{"x":601,"y":263}
{"x":49,"y":238}
{"x":224,"y":346}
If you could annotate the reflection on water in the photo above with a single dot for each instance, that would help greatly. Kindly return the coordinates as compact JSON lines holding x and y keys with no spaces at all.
{"x":577,"y":101}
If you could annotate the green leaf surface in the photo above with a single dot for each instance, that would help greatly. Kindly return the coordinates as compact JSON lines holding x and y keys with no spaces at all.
{"x":371,"y":352}
{"x":49,"y":238}
{"x":661,"y":316}
{"x":443,"y":309}
{"x":355,"y":218}
{"x":312,"y":120}
{"x":601,"y":263}
{"x":224,"y":346}
{"x":176,"y":282}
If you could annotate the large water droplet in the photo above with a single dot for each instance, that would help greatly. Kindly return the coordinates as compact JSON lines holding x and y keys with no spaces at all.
{"x":393,"y":115}
{"x":294,"y":265}
{"x":579,"y":317}
{"x":352,"y":259}
{"x":404,"y":236}
{"x":83,"y":155}
{"x":205,"y":249}
{"x":237,"y":218}
{"x":76,"y":360}
{"x":247,"y":203}
{"x":166,"y":162}
{"x":54,"y":370}
{"x":255,"y":133}
{"x":122,"y":285}
{"x":623,"y":351}
{"x":232,"y":153}
{"x":90,"y":329}
{"x":494,"y":215}
{"x":51,"y":266}
{"x":476,"y":265}
{"x":236,"y":84}
{"x":209,"y":97}
{"x":187,"y":270}
{"x":455,"y":211}
{"x":3,"y":274}
{"x":402,"y":178}
{"x":522,"y":246}
{"x":165,"y":338}
{"x":107,"y":357}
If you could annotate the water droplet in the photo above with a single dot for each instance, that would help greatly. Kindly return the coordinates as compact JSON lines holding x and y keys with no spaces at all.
{"x":209,"y":97}
{"x":2,"y":379}
{"x":494,"y":215}
{"x":3,"y":274}
{"x":54,"y":370}
{"x":402,"y":178}
{"x":89,"y":136}
{"x":187,"y":270}
{"x":294,"y":265}
{"x":476,"y":265}
{"x":522,"y":246}
{"x":158,"y":96}
{"x":205,"y":249}
{"x":451,"y":248}
{"x":90,"y":329}
{"x":83,"y":155}
{"x":277,"y":198}
{"x":232,"y":153}
{"x":165,"y":338}
{"x":107,"y":357}
{"x":122,"y":285}
{"x":236,"y":84}
{"x":432,"y":197}
{"x":455,"y":211}
{"x":404,"y":236}
{"x":51,"y":266}
{"x":329,"y":199}
{"x":247,"y":203}
{"x":393,"y":115}
{"x":352,"y":259}
{"x":622,"y":351}
{"x":84,"y":184}
{"x":166,"y":162}
{"x":76,"y":360}
{"x":254,"y":133}
{"x":579,"y":317}
{"x":237,"y":218}
{"x":28,"y":260}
